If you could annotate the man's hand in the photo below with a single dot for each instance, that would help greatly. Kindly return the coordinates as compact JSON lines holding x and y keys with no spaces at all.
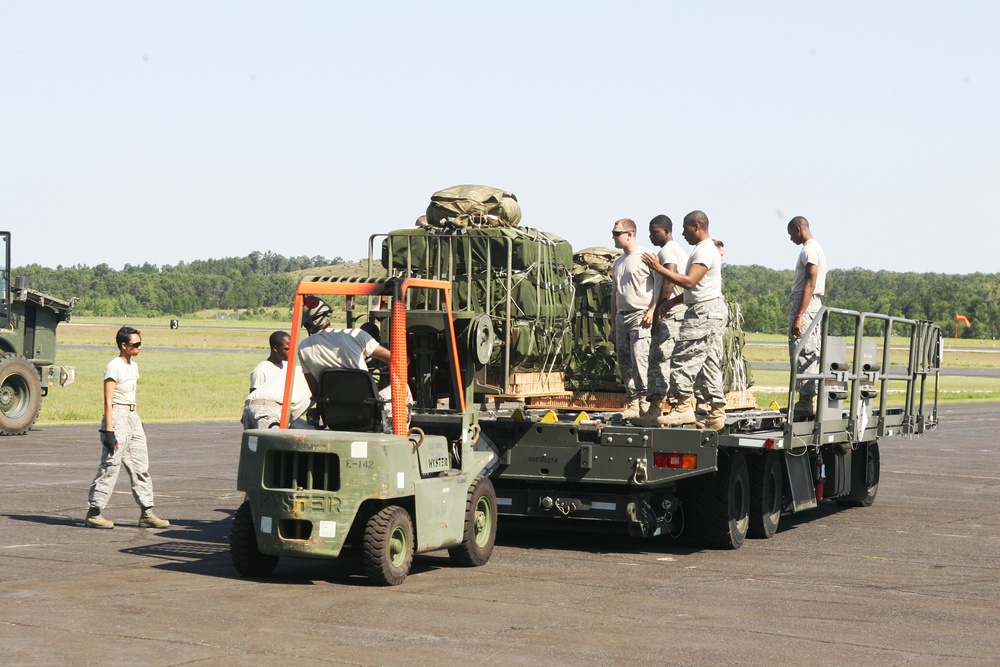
{"x":796,"y":330}
{"x":109,"y":440}
{"x":651,"y":260}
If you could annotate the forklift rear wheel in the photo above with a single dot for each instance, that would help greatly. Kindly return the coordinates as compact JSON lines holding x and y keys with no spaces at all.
{"x":765,"y":495}
{"x":247,"y":559}
{"x":20,"y":394}
{"x":388,"y":546}
{"x":480,"y":525}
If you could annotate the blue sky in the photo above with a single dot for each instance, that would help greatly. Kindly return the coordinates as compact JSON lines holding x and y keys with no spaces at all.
{"x":163,"y":132}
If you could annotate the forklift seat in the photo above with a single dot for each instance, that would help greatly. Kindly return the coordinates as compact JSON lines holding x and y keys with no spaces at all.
{"x":348,"y":400}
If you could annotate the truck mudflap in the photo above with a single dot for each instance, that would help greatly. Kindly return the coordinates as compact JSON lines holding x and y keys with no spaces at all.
{"x":643,"y":513}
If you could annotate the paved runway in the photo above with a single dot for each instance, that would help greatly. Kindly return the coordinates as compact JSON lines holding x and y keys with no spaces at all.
{"x":913,"y":580}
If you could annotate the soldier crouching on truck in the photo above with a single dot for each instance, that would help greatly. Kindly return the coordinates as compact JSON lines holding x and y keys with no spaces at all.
{"x":697,"y":360}
{"x":123,"y":438}
{"x":633,"y":302}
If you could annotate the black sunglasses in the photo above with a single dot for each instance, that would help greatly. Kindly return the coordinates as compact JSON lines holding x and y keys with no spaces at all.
{"x":617,"y":234}
{"x":139,"y":344}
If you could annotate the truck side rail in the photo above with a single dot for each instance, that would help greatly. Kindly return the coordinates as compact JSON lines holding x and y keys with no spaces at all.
{"x":867,"y":378}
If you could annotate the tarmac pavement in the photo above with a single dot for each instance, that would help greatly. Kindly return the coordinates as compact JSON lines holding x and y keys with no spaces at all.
{"x":913,"y":580}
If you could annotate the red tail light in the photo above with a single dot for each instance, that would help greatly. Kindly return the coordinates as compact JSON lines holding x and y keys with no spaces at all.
{"x":665,"y":460}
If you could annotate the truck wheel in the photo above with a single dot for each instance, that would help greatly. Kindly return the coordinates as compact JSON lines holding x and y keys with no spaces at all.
{"x":865,"y":470}
{"x":247,"y":559}
{"x":388,"y":546}
{"x":20,"y":395}
{"x":765,"y":495}
{"x":719,"y":504}
{"x":480,"y":525}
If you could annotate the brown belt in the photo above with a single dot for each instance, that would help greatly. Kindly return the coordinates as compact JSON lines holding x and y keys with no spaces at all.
{"x":130,"y":406}
{"x":269,"y":404}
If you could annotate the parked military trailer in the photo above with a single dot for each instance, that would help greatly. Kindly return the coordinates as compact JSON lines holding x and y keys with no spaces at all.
{"x":28,"y":321}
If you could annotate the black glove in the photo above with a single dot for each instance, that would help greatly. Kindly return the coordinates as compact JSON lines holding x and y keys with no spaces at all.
{"x":312,"y":417}
{"x":109,"y":440}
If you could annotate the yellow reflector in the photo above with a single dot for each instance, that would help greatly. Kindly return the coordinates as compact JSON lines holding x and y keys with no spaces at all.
{"x":517,"y":415}
{"x":583,"y":416}
{"x":549,"y":417}
{"x":773,"y":406}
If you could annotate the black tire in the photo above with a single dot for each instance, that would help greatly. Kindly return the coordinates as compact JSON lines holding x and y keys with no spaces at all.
{"x":247,"y":559}
{"x":388,"y":547}
{"x":20,"y":395}
{"x":865,"y":471}
{"x":766,"y":488}
{"x":719,"y":504}
{"x":480,"y":532}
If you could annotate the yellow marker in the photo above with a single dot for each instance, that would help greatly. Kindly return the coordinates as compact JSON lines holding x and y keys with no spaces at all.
{"x":581,"y":417}
{"x":549,"y":417}
{"x":517,"y":415}
{"x":773,"y":406}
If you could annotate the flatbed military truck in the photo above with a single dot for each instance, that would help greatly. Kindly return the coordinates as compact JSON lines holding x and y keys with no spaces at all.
{"x":588,"y":468}
{"x":28,"y":321}
{"x":349,"y":486}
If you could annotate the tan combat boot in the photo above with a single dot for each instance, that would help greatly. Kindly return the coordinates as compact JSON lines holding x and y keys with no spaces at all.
{"x":95,"y":520}
{"x":805,"y":406}
{"x":631,"y":410}
{"x":682,"y":413}
{"x":716,"y":418}
{"x":150,"y":520}
{"x":649,"y":416}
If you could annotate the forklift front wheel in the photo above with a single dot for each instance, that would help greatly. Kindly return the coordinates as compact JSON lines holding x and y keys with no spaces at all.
{"x":388,"y":546}
{"x":480,"y":532}
{"x":247,"y":558}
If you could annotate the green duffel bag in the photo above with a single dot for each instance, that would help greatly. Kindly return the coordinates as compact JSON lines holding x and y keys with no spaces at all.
{"x":473,"y":206}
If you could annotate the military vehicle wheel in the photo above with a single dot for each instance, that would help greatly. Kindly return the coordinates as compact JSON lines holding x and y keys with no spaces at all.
{"x":719,"y":504}
{"x":388,"y":546}
{"x":865,"y":470}
{"x":480,"y":525}
{"x":765,"y":495}
{"x":20,"y":395}
{"x":247,"y":560}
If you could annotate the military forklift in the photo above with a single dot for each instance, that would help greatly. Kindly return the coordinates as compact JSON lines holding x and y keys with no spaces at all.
{"x":345,"y":484}
{"x":28,"y":321}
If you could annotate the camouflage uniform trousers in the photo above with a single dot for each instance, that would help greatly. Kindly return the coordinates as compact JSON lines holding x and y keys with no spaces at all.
{"x":632,"y":349}
{"x":131,"y":453}
{"x":261,"y":416}
{"x":661,"y":351}
{"x":808,"y":361}
{"x":697,"y":360}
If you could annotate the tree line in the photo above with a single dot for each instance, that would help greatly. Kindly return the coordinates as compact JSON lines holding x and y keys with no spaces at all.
{"x":936,"y":297}
{"x":259,"y":280}
{"x":266,"y":280}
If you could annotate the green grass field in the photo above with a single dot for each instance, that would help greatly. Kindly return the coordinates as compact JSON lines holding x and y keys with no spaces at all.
{"x":202,"y":374}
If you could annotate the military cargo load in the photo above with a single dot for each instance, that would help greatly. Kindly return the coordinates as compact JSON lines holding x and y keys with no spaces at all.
{"x":592,"y":365}
{"x":517,"y":277}
{"x":464,"y":206}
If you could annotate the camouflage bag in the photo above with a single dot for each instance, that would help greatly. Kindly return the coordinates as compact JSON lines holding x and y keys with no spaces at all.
{"x":464,"y":206}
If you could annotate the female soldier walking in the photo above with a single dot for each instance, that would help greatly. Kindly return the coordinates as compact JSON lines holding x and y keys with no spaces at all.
{"x":123,"y":438}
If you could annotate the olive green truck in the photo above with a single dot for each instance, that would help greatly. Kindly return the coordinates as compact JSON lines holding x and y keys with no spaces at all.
{"x":28,"y":321}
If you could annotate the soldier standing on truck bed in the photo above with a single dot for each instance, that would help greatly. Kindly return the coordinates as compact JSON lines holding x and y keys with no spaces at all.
{"x":697,"y":360}
{"x":666,"y":322}
{"x":633,"y":303}
{"x":807,"y":288}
